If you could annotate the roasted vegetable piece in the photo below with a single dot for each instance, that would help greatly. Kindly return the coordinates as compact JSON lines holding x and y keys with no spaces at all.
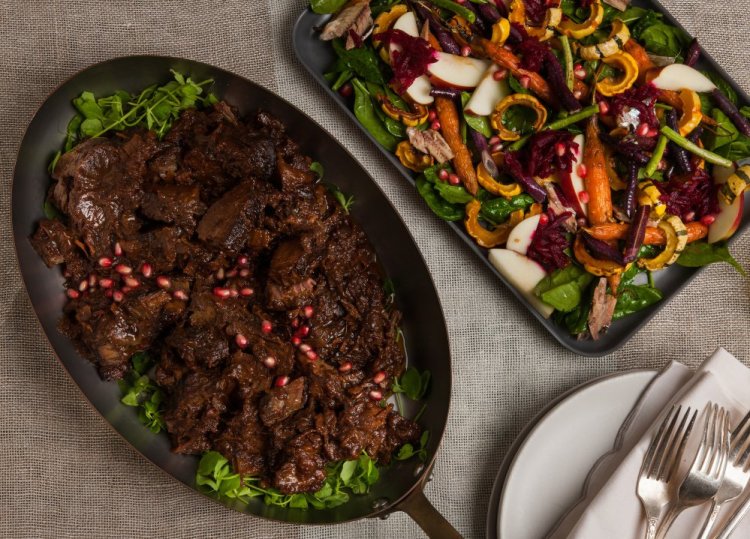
{"x":617,"y":39}
{"x":654,"y":235}
{"x":629,"y":67}
{"x":641,"y":57}
{"x":411,"y":158}
{"x":586,"y":28}
{"x":691,"y":111}
{"x":506,"y":59}
{"x":495,"y":187}
{"x":484,"y":237}
{"x":677,"y":235}
{"x":383,"y":22}
{"x":451,"y":128}
{"x":413,"y":118}
{"x":500,"y":31}
{"x":595,"y":177}
{"x":736,"y":184}
{"x":523,"y":100}
{"x":649,"y":195}
{"x":600,"y":268}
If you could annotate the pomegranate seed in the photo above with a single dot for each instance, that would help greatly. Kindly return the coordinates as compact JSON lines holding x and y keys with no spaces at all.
{"x":525,"y":80}
{"x":497,"y":147}
{"x":179,"y":294}
{"x":435,"y":126}
{"x":708,"y":219}
{"x":465,"y":50}
{"x":312,"y":355}
{"x":494,"y":140}
{"x":443,"y":174}
{"x":108,"y":293}
{"x":118,"y":249}
{"x":578,"y":66}
{"x":240,"y":340}
{"x":379,"y":377}
{"x":296,"y":341}
{"x":579,"y":72}
{"x":83,"y":285}
{"x":232,"y":274}
{"x":125,"y":289}
{"x":220,"y":274}
{"x":346,"y":366}
{"x":122,"y":269}
{"x":432,"y":116}
{"x":72,"y":294}
{"x":500,"y":74}
{"x":460,"y":1}
{"x":92,"y":280}
{"x":304,"y":331}
{"x":233,"y":292}
{"x":163,"y":282}
{"x":578,"y":94}
{"x":244,"y":272}
{"x":346,"y":90}
{"x":295,"y":323}
{"x":309,"y":311}
{"x":270,"y":362}
{"x":582,"y":170}
{"x":376,"y":395}
{"x":105,"y":262}
{"x":106,"y":283}
{"x":583,"y":196}
{"x":643,"y":130}
{"x":560,"y":149}
{"x":305,"y":348}
{"x":690,"y":216}
{"x":243,"y":261}
{"x":246,"y":292}
{"x":603,"y":107}
{"x":266,"y":326}
{"x":652,"y":133}
{"x":118,"y":296}
{"x":132,"y":282}
{"x":281,"y":381}
{"x":221,"y":292}
{"x":453,"y":179}
{"x":543,"y":219}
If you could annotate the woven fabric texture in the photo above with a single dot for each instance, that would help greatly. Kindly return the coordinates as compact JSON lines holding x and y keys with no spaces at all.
{"x":67,"y":474}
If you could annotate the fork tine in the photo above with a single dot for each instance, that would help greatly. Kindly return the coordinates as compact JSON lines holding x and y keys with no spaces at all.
{"x":720,"y":457}
{"x":703,"y":447}
{"x":675,"y":465}
{"x":648,"y":459}
{"x":665,"y":445}
{"x":662,"y":439}
{"x":713,"y":431}
{"x":740,"y":449}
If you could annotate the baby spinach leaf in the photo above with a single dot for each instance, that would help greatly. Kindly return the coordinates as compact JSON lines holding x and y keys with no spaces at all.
{"x":455,"y":194}
{"x":722,"y":85}
{"x":318,"y":169}
{"x":497,"y":210}
{"x":412,"y":383}
{"x":364,"y":110}
{"x":441,"y":207}
{"x":516,"y":86}
{"x":664,"y":39}
{"x":563,"y":289}
{"x":632,"y":298}
{"x":724,"y":133}
{"x":140,"y":392}
{"x":632,"y":14}
{"x":701,"y":253}
{"x":737,"y":149}
{"x":408,"y":450}
{"x":363,"y":61}
{"x":327,"y":6}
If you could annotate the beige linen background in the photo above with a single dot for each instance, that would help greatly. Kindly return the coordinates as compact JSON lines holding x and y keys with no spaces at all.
{"x":65,"y":473}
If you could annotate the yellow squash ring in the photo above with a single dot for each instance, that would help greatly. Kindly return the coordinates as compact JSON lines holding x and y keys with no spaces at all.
{"x":411,"y":158}
{"x":587,"y":27}
{"x":677,"y":236}
{"x":595,"y":266}
{"x":617,"y":39}
{"x":625,"y":63}
{"x":496,"y":188}
{"x":525,"y":100}
{"x":736,"y":184}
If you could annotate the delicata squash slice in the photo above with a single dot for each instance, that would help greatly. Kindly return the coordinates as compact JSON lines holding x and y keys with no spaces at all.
{"x":677,"y":237}
{"x":629,"y":67}
{"x":617,"y":39}
{"x":418,"y":114}
{"x":552,"y":20}
{"x":524,"y":100}
{"x":587,"y":27}
{"x":383,"y":22}
{"x":489,"y":238}
{"x":411,"y":158}
{"x":493,"y":186}
{"x":736,"y":184}
{"x":595,"y":266}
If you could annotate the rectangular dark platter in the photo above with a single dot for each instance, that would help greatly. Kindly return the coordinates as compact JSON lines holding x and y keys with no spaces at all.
{"x":318,"y":56}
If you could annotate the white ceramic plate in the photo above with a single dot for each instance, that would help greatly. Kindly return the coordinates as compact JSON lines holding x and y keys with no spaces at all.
{"x":545,"y":471}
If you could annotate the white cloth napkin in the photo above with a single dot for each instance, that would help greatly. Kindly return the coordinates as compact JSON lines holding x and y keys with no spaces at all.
{"x":610,"y":507}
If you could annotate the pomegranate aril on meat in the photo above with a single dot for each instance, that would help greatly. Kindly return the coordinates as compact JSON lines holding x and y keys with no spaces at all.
{"x":304,"y":331}
{"x":270,"y":362}
{"x":266,"y":326}
{"x":92,"y":280}
{"x":312,"y":355}
{"x":106,"y":283}
{"x":309,"y":311}
{"x":123,"y":269}
{"x":305,"y":348}
{"x":118,"y":249}
{"x":105,"y":262}
{"x":118,"y":296}
{"x":222,"y":292}
{"x":240,"y":340}
{"x":233,"y":292}
{"x":346,"y":366}
{"x":379,"y":377}
{"x":72,"y":294}
{"x":243,"y":261}
{"x":163,"y":282}
{"x":232,"y":274}
{"x":83,"y":285}
{"x":296,"y":341}
{"x":281,"y":381}
{"x":125,"y":289}
{"x":376,"y":395}
{"x":220,"y":274}
{"x":246,"y":292}
{"x":244,"y":272}
{"x":131,"y":282}
{"x":179,"y":294}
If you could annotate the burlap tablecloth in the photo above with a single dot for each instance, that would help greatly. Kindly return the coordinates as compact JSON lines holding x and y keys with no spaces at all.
{"x":65,"y":473}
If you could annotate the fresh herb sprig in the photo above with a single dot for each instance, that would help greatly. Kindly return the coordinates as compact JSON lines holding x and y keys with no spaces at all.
{"x":139,"y":391}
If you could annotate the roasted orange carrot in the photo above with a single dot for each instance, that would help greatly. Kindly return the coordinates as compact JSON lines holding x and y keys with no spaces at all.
{"x":450,"y":128}
{"x":654,"y":235}
{"x":506,"y":59}
{"x":596,"y":179}
{"x":640,"y":56}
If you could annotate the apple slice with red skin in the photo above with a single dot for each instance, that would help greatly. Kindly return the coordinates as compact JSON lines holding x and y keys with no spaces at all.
{"x":456,"y":71}
{"x":678,"y":77}
{"x":488,"y":94}
{"x":419,"y":90}
{"x":572,"y":184}
{"x":520,"y":237}
{"x":523,"y":273}
{"x":730,"y":215}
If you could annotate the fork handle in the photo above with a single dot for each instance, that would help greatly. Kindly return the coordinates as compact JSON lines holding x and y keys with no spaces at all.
{"x":710,"y":520}
{"x":737,"y":517}
{"x":669,"y":519}
{"x":651,"y":524}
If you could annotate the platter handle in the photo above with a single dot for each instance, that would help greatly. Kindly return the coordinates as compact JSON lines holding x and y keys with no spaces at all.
{"x":419,"y":508}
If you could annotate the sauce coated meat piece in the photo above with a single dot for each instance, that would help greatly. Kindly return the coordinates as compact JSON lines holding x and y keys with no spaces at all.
{"x":215,"y":250}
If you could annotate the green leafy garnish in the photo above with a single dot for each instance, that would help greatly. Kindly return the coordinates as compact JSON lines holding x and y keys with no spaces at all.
{"x":327,"y":6}
{"x":216,"y":477}
{"x":408,"y":451}
{"x":455,"y":194}
{"x":366,"y":113}
{"x":724,"y":133}
{"x":345,"y":201}
{"x":737,"y":149}
{"x":722,"y":85}
{"x":412,"y":383}
{"x":50,"y":210}
{"x":140,"y":392}
{"x":632,"y":298}
{"x":700,"y":253}
{"x":318,"y":169}
{"x":498,"y":210}
{"x":362,"y":61}
{"x":516,"y":86}
{"x":563,"y":289}
{"x":440,"y":207}
{"x":477,"y":123}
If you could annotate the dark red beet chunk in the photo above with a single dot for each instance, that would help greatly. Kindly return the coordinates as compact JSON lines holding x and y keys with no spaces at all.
{"x":550,"y":241}
{"x":690,"y":197}
{"x":411,"y":61}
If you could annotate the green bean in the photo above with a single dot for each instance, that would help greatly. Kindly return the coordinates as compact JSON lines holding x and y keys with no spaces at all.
{"x":559,"y":124}
{"x":682,"y":142}
{"x":458,"y":9}
{"x":653,"y":163}
{"x":568,"y":54}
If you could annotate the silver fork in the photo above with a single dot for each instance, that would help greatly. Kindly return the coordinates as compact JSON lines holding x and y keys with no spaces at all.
{"x":736,"y":476}
{"x":660,"y":464}
{"x":707,"y":471}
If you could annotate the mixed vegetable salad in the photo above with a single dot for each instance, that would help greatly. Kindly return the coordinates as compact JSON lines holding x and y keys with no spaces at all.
{"x":574,"y":139}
